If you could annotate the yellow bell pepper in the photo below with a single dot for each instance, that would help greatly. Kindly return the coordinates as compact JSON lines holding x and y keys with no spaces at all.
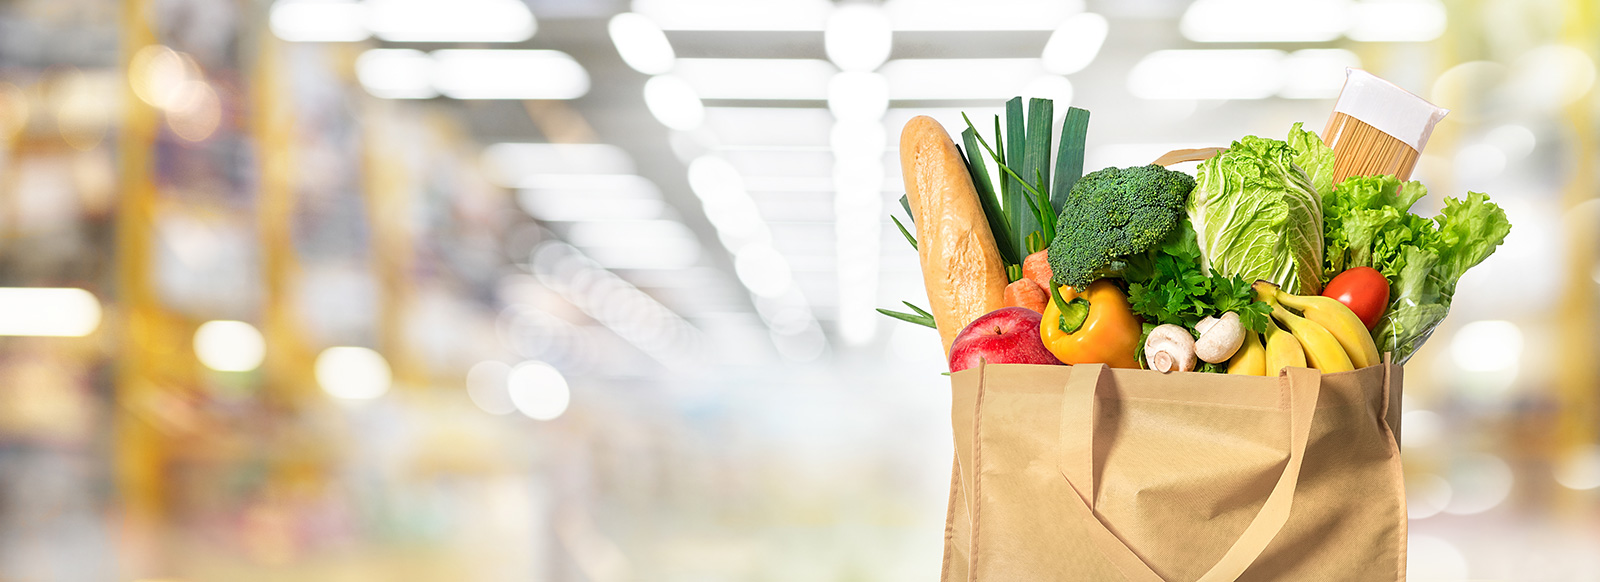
{"x":1109,"y":331}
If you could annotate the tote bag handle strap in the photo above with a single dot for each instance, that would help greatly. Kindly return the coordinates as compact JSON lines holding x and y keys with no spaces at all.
{"x":1189,"y":155}
{"x":1300,"y":388}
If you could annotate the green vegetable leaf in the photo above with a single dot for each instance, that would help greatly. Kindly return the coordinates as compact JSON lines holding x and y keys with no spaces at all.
{"x":1069,"y":159}
{"x":923,"y":320}
{"x":903,"y":231}
{"x":1259,"y":216}
{"x":998,"y":226}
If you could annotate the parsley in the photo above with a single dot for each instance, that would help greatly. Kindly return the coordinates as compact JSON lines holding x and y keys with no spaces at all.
{"x":1166,"y":285}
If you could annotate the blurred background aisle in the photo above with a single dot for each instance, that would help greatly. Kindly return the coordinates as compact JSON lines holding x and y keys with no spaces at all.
{"x":583,"y":290}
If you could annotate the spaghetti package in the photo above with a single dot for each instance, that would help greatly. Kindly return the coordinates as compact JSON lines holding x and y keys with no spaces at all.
{"x":1378,"y":128}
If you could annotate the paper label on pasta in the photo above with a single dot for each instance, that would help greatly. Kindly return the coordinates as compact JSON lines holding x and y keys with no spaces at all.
{"x":1388,"y":108}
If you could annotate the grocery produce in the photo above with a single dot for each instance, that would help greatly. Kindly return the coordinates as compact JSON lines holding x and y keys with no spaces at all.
{"x":1340,"y":321}
{"x":1008,"y":335}
{"x":1256,"y":212}
{"x":1283,"y":350}
{"x":1322,"y":349}
{"x":1369,"y":225}
{"x":1167,"y":285}
{"x":1169,"y":348}
{"x":1026,"y":294}
{"x":961,"y":268}
{"x":1251,"y":359}
{"x":1097,"y":326}
{"x":1112,"y":214}
{"x":1122,"y":261}
{"x":1036,"y":267}
{"x":1363,"y":290}
{"x":1220,"y":338}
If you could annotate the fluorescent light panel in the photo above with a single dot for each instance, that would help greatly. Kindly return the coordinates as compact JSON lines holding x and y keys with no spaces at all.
{"x":568,"y":206}
{"x":1398,"y":21}
{"x":812,"y":15}
{"x":770,"y":15}
{"x":453,"y":21}
{"x":769,"y":126}
{"x":998,"y":15}
{"x":508,"y":164}
{"x":396,"y":74}
{"x":1208,"y":74}
{"x":757,"y":79}
{"x":48,"y":311}
{"x":934,"y":79}
{"x":641,"y":43}
{"x":471,"y":74}
{"x":1265,"y":20}
{"x":319,"y":20}
{"x":508,"y":74}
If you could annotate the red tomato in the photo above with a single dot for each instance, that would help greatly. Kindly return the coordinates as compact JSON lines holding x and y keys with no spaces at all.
{"x":1363,"y":290}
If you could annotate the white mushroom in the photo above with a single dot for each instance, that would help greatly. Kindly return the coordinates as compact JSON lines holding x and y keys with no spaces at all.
{"x":1219,"y":338}
{"x":1169,"y":348}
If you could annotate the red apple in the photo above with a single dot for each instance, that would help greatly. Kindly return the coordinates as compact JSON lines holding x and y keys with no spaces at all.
{"x":1009,"y":335}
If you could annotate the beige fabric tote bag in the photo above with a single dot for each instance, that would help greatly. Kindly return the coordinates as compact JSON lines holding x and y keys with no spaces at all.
{"x":1090,"y":473}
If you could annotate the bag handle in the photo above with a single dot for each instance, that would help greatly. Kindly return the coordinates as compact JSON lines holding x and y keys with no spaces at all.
{"x":1189,"y":155}
{"x":1300,"y":388}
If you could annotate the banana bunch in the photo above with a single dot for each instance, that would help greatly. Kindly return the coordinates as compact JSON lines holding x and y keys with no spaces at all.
{"x":1326,"y":334}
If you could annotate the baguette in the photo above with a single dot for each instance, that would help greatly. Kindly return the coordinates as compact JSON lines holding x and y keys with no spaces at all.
{"x":961,"y":266}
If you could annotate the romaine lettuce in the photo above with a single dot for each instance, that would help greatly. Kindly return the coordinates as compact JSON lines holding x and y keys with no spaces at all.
{"x":1368,"y":224}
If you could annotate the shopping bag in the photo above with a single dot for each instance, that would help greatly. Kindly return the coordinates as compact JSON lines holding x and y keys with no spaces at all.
{"x":1090,"y":473}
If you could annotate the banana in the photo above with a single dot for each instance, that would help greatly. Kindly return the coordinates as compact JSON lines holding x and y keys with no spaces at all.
{"x":1339,"y":321}
{"x":1322,"y":350}
{"x":1251,"y":359}
{"x":1282,"y":350}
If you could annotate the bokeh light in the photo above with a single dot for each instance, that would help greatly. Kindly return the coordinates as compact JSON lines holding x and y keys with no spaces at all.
{"x":538,"y":390}
{"x":352,"y":373}
{"x":229,"y":346}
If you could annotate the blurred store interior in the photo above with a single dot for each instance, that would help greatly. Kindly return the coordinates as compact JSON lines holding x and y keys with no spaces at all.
{"x":584,"y":290}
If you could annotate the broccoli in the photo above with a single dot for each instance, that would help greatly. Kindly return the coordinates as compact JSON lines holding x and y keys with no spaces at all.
{"x":1111,"y":214}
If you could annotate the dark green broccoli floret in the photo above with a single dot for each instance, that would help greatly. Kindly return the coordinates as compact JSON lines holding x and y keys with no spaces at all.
{"x":1111,"y":214}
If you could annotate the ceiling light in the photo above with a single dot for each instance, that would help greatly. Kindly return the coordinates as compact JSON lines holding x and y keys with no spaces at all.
{"x":319,"y":20}
{"x":568,"y":206}
{"x":637,"y":244}
{"x":396,"y":74}
{"x":1316,"y":73}
{"x":229,"y":346}
{"x":785,"y":79}
{"x":1397,"y":21}
{"x":453,"y":21}
{"x":538,"y":390}
{"x":352,"y":373}
{"x":508,"y":74}
{"x":641,"y":43}
{"x":48,"y":311}
{"x":858,"y":37}
{"x":960,"y":15}
{"x":508,"y":164}
{"x":763,"y":270}
{"x":936,"y":79}
{"x":1207,"y":74}
{"x":1075,"y":43}
{"x":673,"y":102}
{"x":770,"y":15}
{"x":1265,"y":20}
{"x":487,"y":388}
{"x":857,"y":96}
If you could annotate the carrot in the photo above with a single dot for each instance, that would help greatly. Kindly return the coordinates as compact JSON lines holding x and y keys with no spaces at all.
{"x":1026,"y":294}
{"x":1037,"y":267}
